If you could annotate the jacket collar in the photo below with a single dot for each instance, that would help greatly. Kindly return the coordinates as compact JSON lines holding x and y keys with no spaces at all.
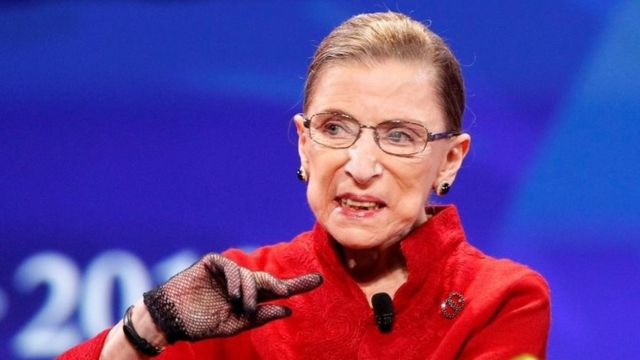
{"x":424,"y":247}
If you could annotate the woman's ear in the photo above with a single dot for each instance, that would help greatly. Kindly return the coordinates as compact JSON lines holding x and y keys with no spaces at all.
{"x":457,"y":150}
{"x":302,"y":140}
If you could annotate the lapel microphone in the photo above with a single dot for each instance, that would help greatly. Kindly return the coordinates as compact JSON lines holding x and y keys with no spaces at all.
{"x":383,"y":311}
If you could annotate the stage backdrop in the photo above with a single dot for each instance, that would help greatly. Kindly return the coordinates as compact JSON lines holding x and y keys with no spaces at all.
{"x":137,"y":135}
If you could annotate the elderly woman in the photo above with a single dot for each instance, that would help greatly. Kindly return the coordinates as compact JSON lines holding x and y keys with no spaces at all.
{"x":382,"y":274}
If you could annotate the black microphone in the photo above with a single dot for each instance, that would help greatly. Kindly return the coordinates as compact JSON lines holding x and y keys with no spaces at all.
{"x":383,"y":311}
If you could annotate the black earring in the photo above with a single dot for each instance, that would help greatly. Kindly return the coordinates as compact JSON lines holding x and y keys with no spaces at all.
{"x":302,"y":175}
{"x":444,"y":188}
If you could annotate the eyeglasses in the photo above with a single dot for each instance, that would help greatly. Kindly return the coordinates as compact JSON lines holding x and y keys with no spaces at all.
{"x":394,"y":137}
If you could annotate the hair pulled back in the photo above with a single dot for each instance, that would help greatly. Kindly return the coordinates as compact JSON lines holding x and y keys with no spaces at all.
{"x":376,"y":37}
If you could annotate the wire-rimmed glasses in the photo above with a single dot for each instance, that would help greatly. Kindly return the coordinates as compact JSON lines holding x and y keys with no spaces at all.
{"x":395,"y":137}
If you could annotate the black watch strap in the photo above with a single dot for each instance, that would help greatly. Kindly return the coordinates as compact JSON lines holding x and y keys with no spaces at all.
{"x":138,"y":342}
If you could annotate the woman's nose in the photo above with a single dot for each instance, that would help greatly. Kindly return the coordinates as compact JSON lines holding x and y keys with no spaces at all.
{"x":363,"y":165}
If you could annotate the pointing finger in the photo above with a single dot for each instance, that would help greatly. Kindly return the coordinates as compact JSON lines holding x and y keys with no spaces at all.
{"x":303,"y":283}
{"x":273,"y":286}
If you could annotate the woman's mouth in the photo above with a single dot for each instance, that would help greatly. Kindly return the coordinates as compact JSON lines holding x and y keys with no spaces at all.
{"x":359,"y":206}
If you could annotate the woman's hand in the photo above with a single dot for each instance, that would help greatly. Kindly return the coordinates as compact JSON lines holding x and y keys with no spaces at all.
{"x":216,"y":297}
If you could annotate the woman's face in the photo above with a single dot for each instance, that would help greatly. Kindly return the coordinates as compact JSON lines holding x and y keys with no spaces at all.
{"x":363,"y":196}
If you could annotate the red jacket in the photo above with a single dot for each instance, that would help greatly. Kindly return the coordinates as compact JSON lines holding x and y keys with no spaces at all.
{"x":506,"y":309}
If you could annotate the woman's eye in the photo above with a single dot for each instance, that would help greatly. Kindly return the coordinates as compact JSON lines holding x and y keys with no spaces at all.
{"x":399,"y":137}
{"x":333,"y":128}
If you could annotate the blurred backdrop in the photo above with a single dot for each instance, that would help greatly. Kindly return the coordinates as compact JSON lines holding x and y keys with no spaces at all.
{"x":137,"y":135}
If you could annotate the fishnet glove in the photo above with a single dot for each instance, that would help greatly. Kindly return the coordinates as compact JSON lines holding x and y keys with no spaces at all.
{"x":216,"y":297}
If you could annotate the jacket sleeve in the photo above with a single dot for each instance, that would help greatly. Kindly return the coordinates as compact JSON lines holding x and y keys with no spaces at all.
{"x":90,"y":350}
{"x":519,"y":326}
{"x":87,"y":350}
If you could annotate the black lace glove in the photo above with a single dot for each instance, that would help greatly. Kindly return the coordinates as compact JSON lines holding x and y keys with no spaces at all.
{"x":216,"y":297}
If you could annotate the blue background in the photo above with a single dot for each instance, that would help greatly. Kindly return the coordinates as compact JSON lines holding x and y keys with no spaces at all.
{"x":137,"y":135}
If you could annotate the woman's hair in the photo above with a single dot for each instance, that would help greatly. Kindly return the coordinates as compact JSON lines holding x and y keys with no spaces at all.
{"x":371,"y":38}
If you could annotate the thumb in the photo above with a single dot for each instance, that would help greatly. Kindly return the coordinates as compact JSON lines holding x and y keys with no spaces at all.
{"x":270,"y":312}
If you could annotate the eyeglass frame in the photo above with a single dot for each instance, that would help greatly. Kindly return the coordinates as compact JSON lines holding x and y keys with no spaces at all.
{"x":430,"y":135}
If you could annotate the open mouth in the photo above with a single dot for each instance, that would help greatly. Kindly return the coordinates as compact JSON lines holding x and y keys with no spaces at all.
{"x":359,"y":203}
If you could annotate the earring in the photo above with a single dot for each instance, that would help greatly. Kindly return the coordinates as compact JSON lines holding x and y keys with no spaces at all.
{"x":302,"y":174}
{"x":443,"y":189}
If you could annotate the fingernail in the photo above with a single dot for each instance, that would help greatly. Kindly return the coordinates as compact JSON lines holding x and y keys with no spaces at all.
{"x":287,"y":312}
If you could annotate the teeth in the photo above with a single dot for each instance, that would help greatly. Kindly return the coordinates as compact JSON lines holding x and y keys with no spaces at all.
{"x":363,"y":205}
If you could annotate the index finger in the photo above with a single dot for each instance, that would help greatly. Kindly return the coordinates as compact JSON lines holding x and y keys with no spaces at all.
{"x":303,"y":283}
